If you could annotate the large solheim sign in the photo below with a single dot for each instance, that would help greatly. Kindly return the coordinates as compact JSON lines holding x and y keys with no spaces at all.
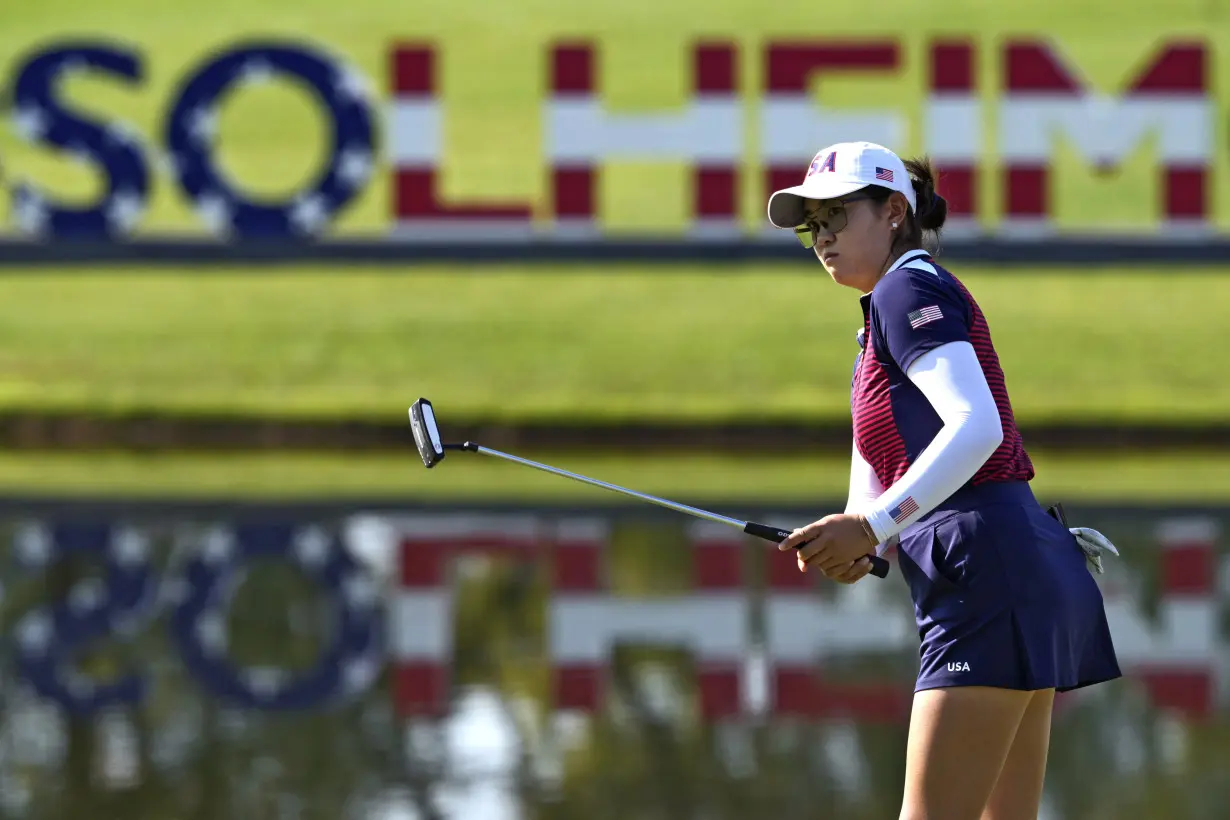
{"x":1164,"y":109}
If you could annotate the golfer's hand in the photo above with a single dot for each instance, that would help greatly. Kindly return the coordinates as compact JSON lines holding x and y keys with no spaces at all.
{"x":852,"y":572}
{"x":837,"y":545}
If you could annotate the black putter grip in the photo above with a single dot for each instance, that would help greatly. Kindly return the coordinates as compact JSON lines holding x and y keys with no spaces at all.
{"x":879,"y":566}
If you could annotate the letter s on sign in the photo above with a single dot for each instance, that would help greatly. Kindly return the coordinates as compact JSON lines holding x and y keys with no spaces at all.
{"x":42,"y":118}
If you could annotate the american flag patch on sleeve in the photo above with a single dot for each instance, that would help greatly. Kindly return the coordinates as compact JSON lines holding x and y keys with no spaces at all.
{"x":904,"y":510}
{"x":923,"y":316}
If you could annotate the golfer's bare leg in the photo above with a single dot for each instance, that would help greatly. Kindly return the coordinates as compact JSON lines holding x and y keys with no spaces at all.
{"x":959,"y":740}
{"x":1018,"y":794}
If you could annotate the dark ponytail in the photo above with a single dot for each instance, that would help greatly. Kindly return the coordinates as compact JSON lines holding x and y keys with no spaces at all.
{"x":932,"y":208}
{"x":922,"y":227}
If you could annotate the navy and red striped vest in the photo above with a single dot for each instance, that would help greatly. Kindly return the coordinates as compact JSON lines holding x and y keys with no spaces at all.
{"x":914,"y":308}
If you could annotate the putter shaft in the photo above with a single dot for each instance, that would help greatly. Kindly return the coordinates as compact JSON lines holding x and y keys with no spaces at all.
{"x":879,"y":566}
{"x":662,"y":502}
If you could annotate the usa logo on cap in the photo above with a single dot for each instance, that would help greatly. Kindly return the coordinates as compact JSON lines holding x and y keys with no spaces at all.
{"x":828,"y":164}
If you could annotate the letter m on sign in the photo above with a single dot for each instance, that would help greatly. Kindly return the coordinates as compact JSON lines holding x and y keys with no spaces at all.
{"x":1168,"y":100}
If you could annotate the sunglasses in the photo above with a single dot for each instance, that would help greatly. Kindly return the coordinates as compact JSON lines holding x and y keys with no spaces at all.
{"x":830,"y":217}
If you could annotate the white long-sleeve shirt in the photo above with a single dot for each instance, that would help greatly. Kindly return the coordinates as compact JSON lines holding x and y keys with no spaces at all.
{"x":951,"y":379}
{"x":929,"y":400}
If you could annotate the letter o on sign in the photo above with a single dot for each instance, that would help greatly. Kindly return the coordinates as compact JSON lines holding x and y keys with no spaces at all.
{"x":191,"y":126}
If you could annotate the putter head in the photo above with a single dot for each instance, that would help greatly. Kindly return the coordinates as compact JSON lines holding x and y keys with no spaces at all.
{"x":426,"y":433}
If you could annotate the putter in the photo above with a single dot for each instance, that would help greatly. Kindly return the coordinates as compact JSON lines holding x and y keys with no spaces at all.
{"x":432,"y":449}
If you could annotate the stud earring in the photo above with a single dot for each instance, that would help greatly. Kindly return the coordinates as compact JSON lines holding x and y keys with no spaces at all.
{"x":894,"y":226}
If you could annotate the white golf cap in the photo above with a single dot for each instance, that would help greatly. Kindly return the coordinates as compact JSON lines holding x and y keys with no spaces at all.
{"x":838,"y":170}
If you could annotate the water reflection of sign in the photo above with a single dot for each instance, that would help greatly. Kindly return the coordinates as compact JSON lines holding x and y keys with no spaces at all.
{"x":784,"y":667}
{"x":49,"y":640}
{"x":1173,"y":654}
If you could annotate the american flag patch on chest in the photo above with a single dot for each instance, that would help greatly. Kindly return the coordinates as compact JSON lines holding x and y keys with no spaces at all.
{"x":923,"y":316}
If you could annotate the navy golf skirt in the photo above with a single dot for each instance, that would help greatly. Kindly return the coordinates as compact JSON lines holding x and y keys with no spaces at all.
{"x":1002,"y":595}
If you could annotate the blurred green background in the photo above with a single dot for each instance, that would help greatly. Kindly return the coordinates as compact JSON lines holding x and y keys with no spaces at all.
{"x":1128,"y":348}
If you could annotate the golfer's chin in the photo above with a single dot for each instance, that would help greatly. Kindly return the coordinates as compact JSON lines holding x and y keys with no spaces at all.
{"x":835,"y":268}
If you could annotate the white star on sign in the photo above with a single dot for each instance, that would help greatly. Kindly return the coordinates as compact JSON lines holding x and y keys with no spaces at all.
{"x":122,"y":133}
{"x":211,"y":632}
{"x":33,"y":544}
{"x":124,"y":210}
{"x":308,"y":214}
{"x":256,"y":72}
{"x":218,"y":548}
{"x":359,"y":591}
{"x":202,"y":125}
{"x":34,"y":633}
{"x":354,"y":166}
{"x":30,"y":212}
{"x":85,"y":596}
{"x":30,"y":123}
{"x":358,"y":675}
{"x":351,"y":86}
{"x":129,"y":548}
{"x":215,"y":212}
{"x":312,"y":548}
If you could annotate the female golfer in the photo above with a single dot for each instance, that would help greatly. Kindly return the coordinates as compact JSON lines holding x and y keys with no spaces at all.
{"x":1008,"y":612}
